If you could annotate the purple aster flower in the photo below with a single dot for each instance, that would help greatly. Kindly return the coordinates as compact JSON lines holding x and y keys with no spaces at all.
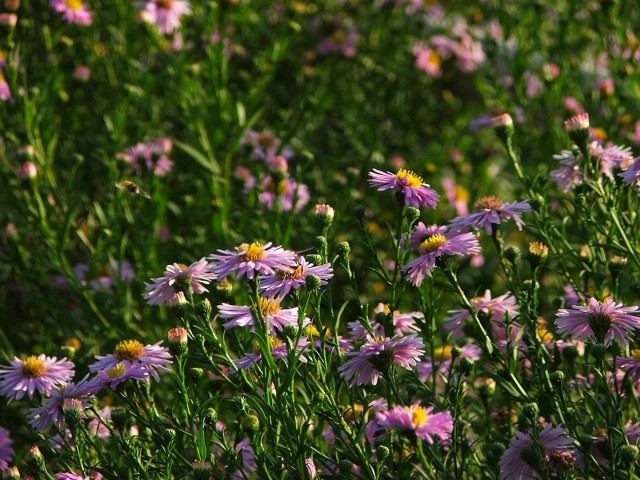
{"x":631,"y":364}
{"x":98,"y":424}
{"x":367,"y":364}
{"x":600,"y":447}
{"x":278,"y":317}
{"x":6,"y":452}
{"x":417,"y":419}
{"x":175,"y":279}
{"x":284,"y":194}
{"x":72,"y":11}
{"x":402,"y":323}
{"x":43,"y":417}
{"x":525,"y":458}
{"x":496,"y":308}
{"x":602,"y":322}
{"x":165,"y":14}
{"x":278,"y":351}
{"x":416,"y":193}
{"x":433,"y":241}
{"x":249,"y":259}
{"x":151,"y":156}
{"x":130,"y":353}
{"x":249,"y":465}
{"x":265,"y":145}
{"x":631,"y":174}
{"x":442,"y":360}
{"x":34,"y":374}
{"x":118,"y":374}
{"x":491,"y":211}
{"x":70,"y":476}
{"x":5,"y":90}
{"x":283,"y":281}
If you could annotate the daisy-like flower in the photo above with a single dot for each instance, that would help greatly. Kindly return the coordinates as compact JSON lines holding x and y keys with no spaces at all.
{"x":278,"y":351}
{"x":265,"y":145}
{"x":72,"y":11}
{"x":165,"y":14}
{"x":418,"y":420}
{"x":495,"y":308}
{"x":602,"y":322}
{"x":249,"y":259}
{"x":601,"y":447}
{"x":631,"y":174}
{"x":6,"y":452}
{"x":442,"y":360}
{"x":283,"y":281}
{"x":34,"y":374}
{"x":70,"y":476}
{"x":631,"y":364}
{"x":118,"y":374}
{"x":433,"y":241}
{"x":416,"y":193}
{"x":367,"y":365}
{"x":151,"y":156}
{"x":177,"y":278}
{"x":491,"y":211}
{"x":5,"y":90}
{"x":130,"y":353}
{"x":402,"y":323}
{"x":284,"y":194}
{"x":525,"y":458}
{"x":41,"y":418}
{"x":278,"y":317}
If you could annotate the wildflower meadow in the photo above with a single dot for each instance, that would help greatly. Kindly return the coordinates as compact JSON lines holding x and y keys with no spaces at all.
{"x":319,"y":239}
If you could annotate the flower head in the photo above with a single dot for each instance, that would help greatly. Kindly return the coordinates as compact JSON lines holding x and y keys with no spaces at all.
{"x":278,"y":351}
{"x":117,"y":374}
{"x":402,"y":323}
{"x":72,"y":11}
{"x":495,"y":308}
{"x":6,"y":452}
{"x":249,"y":259}
{"x":270,"y":310}
{"x":284,"y":194}
{"x":43,"y":417}
{"x":132,"y":353}
{"x":419,"y":420}
{"x":282,"y":281}
{"x":367,"y":365}
{"x":602,"y":322}
{"x":432,"y":242}
{"x":526,"y":458}
{"x":442,"y":360}
{"x":416,"y":193}
{"x":491,"y":211}
{"x":151,"y":156}
{"x":165,"y":14}
{"x":177,"y":278}
{"x":34,"y":374}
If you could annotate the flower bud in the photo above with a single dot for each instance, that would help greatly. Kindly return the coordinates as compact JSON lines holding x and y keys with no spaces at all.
{"x":324,"y":214}
{"x":358,"y":212}
{"x":412,"y":214}
{"x":578,"y":128}
{"x":178,"y":305}
{"x":290,"y":331}
{"x":466,"y":365}
{"x":343,"y":249}
{"x":494,"y":451}
{"x":503,"y":126}
{"x":11,"y":473}
{"x":35,"y":462}
{"x":455,"y":352}
{"x":557,"y":379}
{"x":570,"y":353}
{"x":67,"y":352}
{"x":617,"y":265}
{"x":120,"y":418}
{"x":224,"y":290}
{"x":12,"y":5}
{"x":345,"y":466}
{"x":196,"y":373}
{"x":312,"y":282}
{"x":168,"y":435}
{"x":203,"y":310}
{"x":536,"y":202}
{"x":200,"y":470}
{"x":251,"y":423}
{"x":27,"y":170}
{"x":512,"y":254}
{"x":628,"y":455}
{"x":530,"y":411}
{"x":382,"y":452}
{"x":72,"y":410}
{"x":314,"y":258}
{"x":585,"y":440}
{"x":177,"y":338}
{"x":598,"y":351}
{"x":538,"y":252}
{"x":8,"y":19}
{"x":321,"y":243}
{"x":210,"y":416}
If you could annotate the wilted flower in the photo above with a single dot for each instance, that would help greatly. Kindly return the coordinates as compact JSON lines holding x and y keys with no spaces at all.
{"x":72,"y":11}
{"x":177,"y":278}
{"x":130,"y":353}
{"x":418,"y":420}
{"x":249,"y":259}
{"x":367,"y":365}
{"x":416,"y":192}
{"x":34,"y":374}
{"x":491,"y":211}
{"x":165,"y":14}
{"x":602,"y":322}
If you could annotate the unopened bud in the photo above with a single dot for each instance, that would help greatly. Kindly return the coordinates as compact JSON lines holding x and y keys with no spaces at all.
{"x":251,"y":423}
{"x":168,"y":435}
{"x":196,"y":373}
{"x":628,"y":454}
{"x":178,"y":305}
{"x":585,"y":440}
{"x":494,"y":451}
{"x":321,"y":243}
{"x":598,"y":351}
{"x":11,"y":473}
{"x":210,"y":416}
{"x":557,"y":379}
{"x":466,"y":365}
{"x":314,"y":258}
{"x":201,"y":470}
{"x":177,"y":338}
{"x":72,"y":410}
{"x":67,"y":352}
{"x":530,"y":411}
{"x":578,"y":128}
{"x":203,"y":309}
{"x":382,"y":452}
{"x":503,"y":126}
{"x":512,"y":254}
{"x":538,"y":252}
{"x":312,"y":282}
{"x":343,"y":249}
{"x":455,"y":352}
{"x":35,"y":462}
{"x":412,"y":214}
{"x":324,"y":214}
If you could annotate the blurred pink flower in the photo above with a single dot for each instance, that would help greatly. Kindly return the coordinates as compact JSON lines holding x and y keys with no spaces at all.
{"x":72,"y":11}
{"x":165,"y":14}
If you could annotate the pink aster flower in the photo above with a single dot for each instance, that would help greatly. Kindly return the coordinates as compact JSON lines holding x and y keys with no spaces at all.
{"x":176,"y":278}
{"x":491,"y":211}
{"x":5,"y":91}
{"x":416,"y":193}
{"x":272,"y":311}
{"x":151,"y":156}
{"x":34,"y":374}
{"x":249,"y":259}
{"x":98,"y":424}
{"x":70,"y":476}
{"x":527,"y":459}
{"x":130,"y":353}
{"x":165,"y":14}
{"x":402,"y":323}
{"x":631,"y":364}
{"x":72,"y":11}
{"x":427,"y":60}
{"x":442,"y":360}
{"x":43,"y":417}
{"x":6,"y":452}
{"x":284,"y":194}
{"x":283,"y":281}
{"x":419,"y":420}
{"x":119,"y":374}
{"x":602,"y":322}
{"x":433,"y":241}
{"x":278,"y":351}
{"x":494,"y":307}
{"x":367,"y":364}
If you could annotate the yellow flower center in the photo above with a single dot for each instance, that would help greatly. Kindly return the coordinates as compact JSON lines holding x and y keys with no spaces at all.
{"x":636,"y":354}
{"x":289,"y":275}
{"x":182,"y":266}
{"x":352,"y":413}
{"x":128,"y":350}
{"x":252,"y":253}
{"x":269,"y":307}
{"x":433,"y":243}
{"x":282,"y":187}
{"x":339,"y":37}
{"x":413,"y":180}
{"x":116,"y":371}
{"x":275,"y":342}
{"x":443,"y":353}
{"x":33,"y":367}
{"x":434,"y":58}
{"x":74,"y":4}
{"x":490,"y":202}
{"x":419,"y":416}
